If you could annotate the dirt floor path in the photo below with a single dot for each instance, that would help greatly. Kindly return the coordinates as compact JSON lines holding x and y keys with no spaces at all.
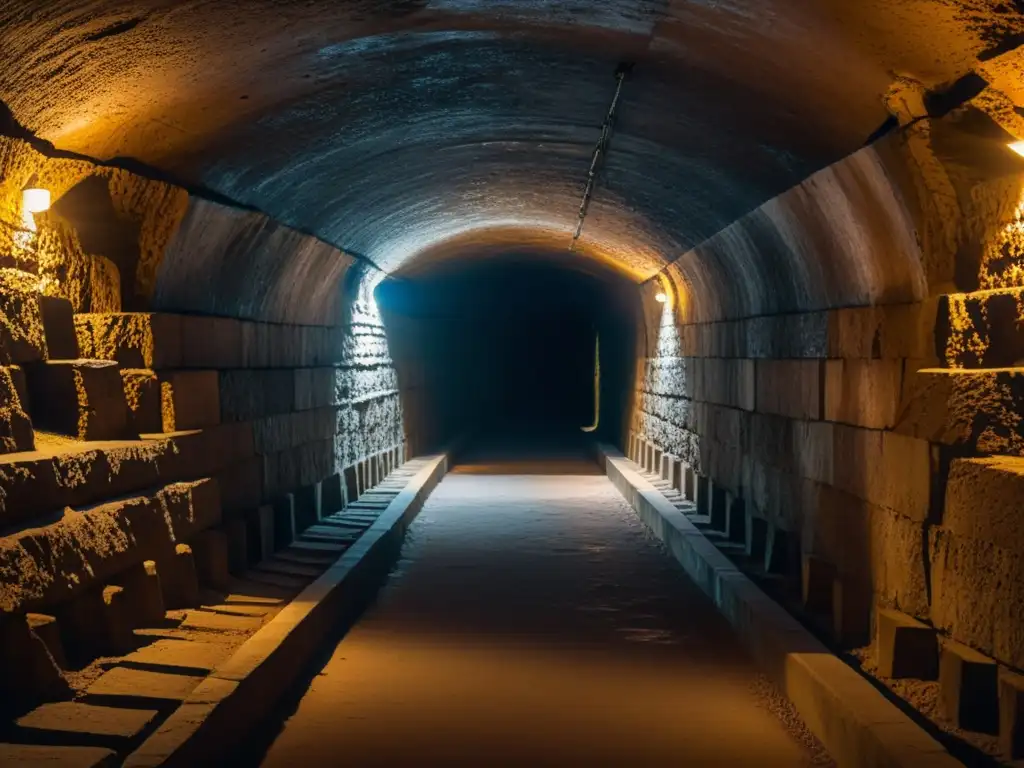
{"x":533,"y":621}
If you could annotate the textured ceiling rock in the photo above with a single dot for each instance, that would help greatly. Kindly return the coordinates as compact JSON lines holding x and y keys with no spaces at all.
{"x":396,"y":128}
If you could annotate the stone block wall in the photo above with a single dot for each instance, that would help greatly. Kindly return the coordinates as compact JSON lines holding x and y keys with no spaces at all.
{"x":848,"y":386}
{"x":806,"y":437}
{"x":195,"y":368}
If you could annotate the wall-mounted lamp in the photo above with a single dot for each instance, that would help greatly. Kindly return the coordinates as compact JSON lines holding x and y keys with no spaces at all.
{"x":1018,"y":147}
{"x":661,"y":298}
{"x":35,"y":200}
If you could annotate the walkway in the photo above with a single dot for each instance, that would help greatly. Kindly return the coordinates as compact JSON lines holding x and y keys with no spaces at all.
{"x":533,"y":622}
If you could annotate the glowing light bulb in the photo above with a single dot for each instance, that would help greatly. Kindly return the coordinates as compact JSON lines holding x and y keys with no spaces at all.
{"x":1018,"y":147}
{"x":661,"y":298}
{"x":35,"y":200}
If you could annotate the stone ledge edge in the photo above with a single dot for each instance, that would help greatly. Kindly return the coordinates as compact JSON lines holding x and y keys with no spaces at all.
{"x":858,"y":726}
{"x":240,"y":693}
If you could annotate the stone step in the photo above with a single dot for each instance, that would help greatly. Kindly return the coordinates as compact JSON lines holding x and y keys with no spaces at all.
{"x":287,"y":568}
{"x":321,"y":560}
{"x":65,"y":554}
{"x":189,"y":657}
{"x":75,"y":723}
{"x":62,"y":472}
{"x":292,"y":584}
{"x":83,"y":399}
{"x":339,"y":524}
{"x":208,"y":621}
{"x":137,"y":687}
{"x":316,"y":548}
{"x":255,"y":593}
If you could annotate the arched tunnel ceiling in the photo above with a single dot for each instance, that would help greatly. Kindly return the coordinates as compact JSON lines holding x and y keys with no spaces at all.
{"x":395,"y":128}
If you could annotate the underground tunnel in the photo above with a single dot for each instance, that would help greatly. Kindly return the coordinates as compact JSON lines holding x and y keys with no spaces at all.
{"x":443,"y":382}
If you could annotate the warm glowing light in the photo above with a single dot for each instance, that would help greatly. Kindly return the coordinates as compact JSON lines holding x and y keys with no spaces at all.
{"x":661,"y":298}
{"x":36,"y":200}
{"x":1018,"y":147}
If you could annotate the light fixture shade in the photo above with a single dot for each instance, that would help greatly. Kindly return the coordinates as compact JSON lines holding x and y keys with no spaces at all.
{"x":661,"y":298}
{"x":36,"y":200}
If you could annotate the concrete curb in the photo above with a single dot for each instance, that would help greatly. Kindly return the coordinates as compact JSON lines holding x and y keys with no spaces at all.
{"x":211,"y":724}
{"x":856,"y":723}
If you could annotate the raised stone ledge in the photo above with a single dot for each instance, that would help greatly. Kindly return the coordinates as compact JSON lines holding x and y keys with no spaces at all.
{"x":63,"y":473}
{"x":64,"y":555}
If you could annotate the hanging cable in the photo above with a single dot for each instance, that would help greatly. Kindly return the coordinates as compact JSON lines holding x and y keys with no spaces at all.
{"x":599,"y":151}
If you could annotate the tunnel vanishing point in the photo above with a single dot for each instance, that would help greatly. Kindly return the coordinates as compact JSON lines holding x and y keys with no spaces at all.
{"x":265,"y":265}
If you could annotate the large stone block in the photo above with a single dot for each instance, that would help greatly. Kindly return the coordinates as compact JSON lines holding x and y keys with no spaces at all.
{"x":142,"y":392}
{"x":15,"y":427}
{"x":189,"y":400}
{"x":909,"y":330}
{"x":211,"y":342}
{"x":241,"y":485}
{"x":864,"y":393}
{"x":45,"y":627}
{"x":290,"y":430}
{"x":62,"y":474}
{"x":83,"y":399}
{"x":1011,"y":715}
{"x":855,"y":332}
{"x":118,"y":621}
{"x":291,"y":469}
{"x":28,"y":673}
{"x":210,"y":554}
{"x":22,"y":338}
{"x":254,"y":394}
{"x":209,"y":451}
{"x":984,"y":499}
{"x":790,"y":388}
{"x":887,"y":332}
{"x":981,"y":330}
{"x":979,"y":409}
{"x":818,"y":575}
{"x":316,"y":388}
{"x":57,"y":561}
{"x":969,"y":683}
{"x":867,"y":544}
{"x":978,"y":594}
{"x":884,"y":468}
{"x":135,"y":340}
{"x":307,"y":506}
{"x":59,"y":328}
{"x":143,"y":594}
{"x":724,"y":381}
{"x":905,"y":647}
{"x":178,"y":578}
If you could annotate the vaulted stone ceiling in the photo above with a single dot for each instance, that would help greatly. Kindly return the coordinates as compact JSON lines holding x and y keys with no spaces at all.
{"x":403,"y":127}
